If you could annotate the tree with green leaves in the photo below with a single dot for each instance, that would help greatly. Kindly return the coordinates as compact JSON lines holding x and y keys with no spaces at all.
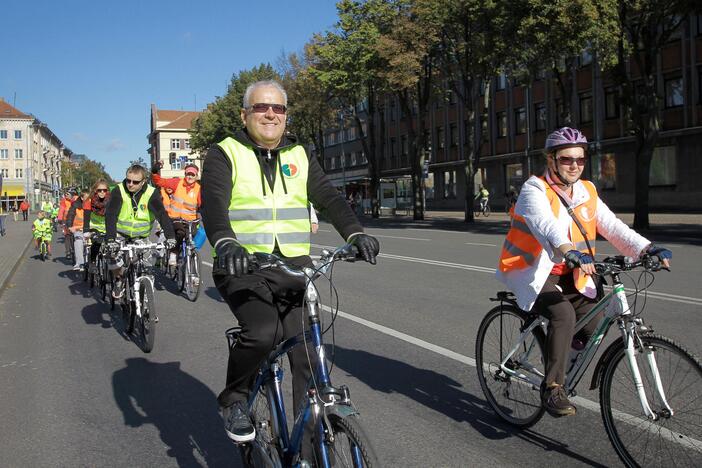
{"x":83,"y":175}
{"x":644,"y":28}
{"x":410,"y":51}
{"x":222,"y":117}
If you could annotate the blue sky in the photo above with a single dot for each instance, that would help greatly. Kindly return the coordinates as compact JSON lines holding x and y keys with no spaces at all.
{"x":91,"y":69}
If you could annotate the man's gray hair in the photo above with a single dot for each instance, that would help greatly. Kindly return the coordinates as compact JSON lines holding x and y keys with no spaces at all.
{"x":263,"y":83}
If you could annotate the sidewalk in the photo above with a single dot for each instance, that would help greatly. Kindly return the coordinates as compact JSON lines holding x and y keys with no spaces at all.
{"x":13,"y":247}
{"x":685,"y":228}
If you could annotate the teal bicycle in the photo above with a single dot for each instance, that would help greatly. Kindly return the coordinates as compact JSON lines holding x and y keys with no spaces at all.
{"x":650,"y":387}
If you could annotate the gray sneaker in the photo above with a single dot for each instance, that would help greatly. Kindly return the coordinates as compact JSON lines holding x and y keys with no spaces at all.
{"x":237,"y":423}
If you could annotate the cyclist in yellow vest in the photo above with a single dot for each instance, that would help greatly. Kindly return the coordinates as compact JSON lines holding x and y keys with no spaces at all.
{"x":547,"y":261}
{"x":133,"y":207}
{"x":74,"y":221}
{"x":41,"y":229}
{"x":256,"y":189}
{"x":94,"y":215}
{"x":184,"y":201}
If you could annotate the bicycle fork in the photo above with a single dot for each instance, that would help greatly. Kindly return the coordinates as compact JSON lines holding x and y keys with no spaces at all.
{"x":629,"y":336}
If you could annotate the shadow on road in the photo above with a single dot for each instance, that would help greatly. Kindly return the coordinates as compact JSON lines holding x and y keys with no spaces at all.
{"x":98,"y":314}
{"x":182,"y":408}
{"x":213,"y":293}
{"x":442,"y":394}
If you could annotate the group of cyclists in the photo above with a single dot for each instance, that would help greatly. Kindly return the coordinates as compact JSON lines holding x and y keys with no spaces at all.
{"x":254,"y":196}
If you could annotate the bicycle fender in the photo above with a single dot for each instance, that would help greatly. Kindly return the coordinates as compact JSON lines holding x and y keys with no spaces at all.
{"x":341,"y":410}
{"x":604,"y":359}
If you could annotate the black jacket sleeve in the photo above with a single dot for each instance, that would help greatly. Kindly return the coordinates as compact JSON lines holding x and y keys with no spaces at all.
{"x":114,"y":205}
{"x":327,"y":199}
{"x":216,"y":192}
{"x":157,"y":208}
{"x":86,"y":220}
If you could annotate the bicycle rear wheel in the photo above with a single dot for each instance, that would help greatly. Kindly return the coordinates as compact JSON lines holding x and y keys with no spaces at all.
{"x":350,"y":446}
{"x":146,"y":324}
{"x":514,"y":399}
{"x":671,"y":440}
{"x":486,"y":211}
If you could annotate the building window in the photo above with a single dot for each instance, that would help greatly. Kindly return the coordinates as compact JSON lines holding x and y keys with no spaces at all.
{"x":604,"y":171}
{"x":514,"y":175}
{"x":673,"y":92}
{"x":332,"y":161}
{"x":3,"y":153}
{"x":539,"y":116}
{"x":663,"y":167}
{"x":585,"y":58}
{"x":18,"y":134}
{"x":611,"y":103}
{"x":440,"y":143}
{"x":501,"y":82}
{"x":429,"y":186}
{"x":351,"y":133}
{"x":3,"y":134}
{"x":585,"y":108}
{"x":18,"y":154}
{"x":175,"y":144}
{"x":393,"y":114}
{"x":175,"y":161}
{"x":450,"y":184}
{"x":393,"y":148}
{"x":501,"y":124}
{"x":453,"y":129}
{"x":5,"y":172}
{"x":186,"y":144}
{"x":353,"y":159}
{"x":18,"y":173}
{"x":403,"y":145}
{"x":520,"y":121}
{"x":560,"y":121}
{"x":331,"y":139}
{"x":484,"y":135}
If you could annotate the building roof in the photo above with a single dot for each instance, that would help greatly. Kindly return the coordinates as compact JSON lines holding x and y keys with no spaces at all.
{"x":162,"y":119}
{"x":7,"y":111}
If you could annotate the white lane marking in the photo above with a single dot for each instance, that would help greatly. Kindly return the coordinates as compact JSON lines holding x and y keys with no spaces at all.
{"x":477,"y":243}
{"x":652,"y":294}
{"x":398,"y":237}
{"x":207,"y":263}
{"x":324,"y":230}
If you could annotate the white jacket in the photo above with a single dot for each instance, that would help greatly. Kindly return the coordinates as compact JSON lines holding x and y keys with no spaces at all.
{"x":552,"y":231}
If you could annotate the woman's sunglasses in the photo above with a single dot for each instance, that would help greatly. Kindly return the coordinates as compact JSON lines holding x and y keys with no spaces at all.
{"x":101,"y":190}
{"x":567,"y":161}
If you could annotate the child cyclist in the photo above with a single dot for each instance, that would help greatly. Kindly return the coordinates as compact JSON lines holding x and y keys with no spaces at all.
{"x":41,"y":229}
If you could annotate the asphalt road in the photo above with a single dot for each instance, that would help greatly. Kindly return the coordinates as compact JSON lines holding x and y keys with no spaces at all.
{"x":74,"y":391}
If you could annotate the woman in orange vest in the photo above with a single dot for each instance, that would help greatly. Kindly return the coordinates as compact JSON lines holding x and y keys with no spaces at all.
{"x":184,"y":201}
{"x":74,"y":221}
{"x":547,"y":261}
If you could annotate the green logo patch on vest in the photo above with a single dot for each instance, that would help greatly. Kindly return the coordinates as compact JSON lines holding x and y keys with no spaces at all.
{"x":290,"y":170}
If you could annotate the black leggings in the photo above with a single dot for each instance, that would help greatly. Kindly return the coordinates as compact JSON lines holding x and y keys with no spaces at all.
{"x":563,"y":308}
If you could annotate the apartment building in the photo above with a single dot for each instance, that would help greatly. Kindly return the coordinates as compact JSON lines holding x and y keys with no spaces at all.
{"x":170,"y":140}
{"x":30,"y":158}
{"x":519,"y":118}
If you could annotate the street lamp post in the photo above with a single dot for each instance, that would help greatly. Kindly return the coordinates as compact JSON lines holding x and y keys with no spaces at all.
{"x":343,"y":154}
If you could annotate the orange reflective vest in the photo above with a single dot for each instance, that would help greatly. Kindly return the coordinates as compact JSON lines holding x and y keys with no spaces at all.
{"x":521,"y":249}
{"x":167,"y":203}
{"x":184,"y":202}
{"x":78,"y":220}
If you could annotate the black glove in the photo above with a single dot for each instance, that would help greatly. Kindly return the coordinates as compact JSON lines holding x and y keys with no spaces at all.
{"x":112,"y":246}
{"x":169,"y":243}
{"x":661,"y":252}
{"x":368,"y":247}
{"x":232,"y":257}
{"x":575,"y":258}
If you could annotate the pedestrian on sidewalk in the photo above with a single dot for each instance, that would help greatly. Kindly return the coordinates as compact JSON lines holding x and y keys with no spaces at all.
{"x":24,"y":208}
{"x":15,"y":211}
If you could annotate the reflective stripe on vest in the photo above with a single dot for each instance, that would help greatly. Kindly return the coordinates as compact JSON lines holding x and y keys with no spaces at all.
{"x":131,"y":223}
{"x":521,"y":249}
{"x":184,"y":202}
{"x":259,"y":221}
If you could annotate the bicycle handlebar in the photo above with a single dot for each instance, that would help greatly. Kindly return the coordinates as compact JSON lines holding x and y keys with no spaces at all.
{"x":620,"y":263}
{"x":261,"y":261}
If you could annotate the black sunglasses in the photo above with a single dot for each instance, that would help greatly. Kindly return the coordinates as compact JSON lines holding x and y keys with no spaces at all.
{"x":100,"y":190}
{"x":262,"y":108}
{"x":134,"y":182}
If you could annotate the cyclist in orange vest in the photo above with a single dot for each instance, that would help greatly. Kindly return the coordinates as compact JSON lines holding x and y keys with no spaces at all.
{"x":74,"y":222}
{"x":547,"y":259}
{"x":184,"y":201}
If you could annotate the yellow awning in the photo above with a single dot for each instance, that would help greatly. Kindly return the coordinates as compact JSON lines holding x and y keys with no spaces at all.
{"x":11,"y":190}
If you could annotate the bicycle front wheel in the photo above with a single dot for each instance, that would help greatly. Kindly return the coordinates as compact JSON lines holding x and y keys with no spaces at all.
{"x":672,"y":439}
{"x":512,"y":393}
{"x":350,"y":446}
{"x":147,"y":321}
{"x":192,"y":280}
{"x":486,"y":211}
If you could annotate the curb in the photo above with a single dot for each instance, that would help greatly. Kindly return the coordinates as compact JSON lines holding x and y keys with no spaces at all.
{"x":5,"y":282}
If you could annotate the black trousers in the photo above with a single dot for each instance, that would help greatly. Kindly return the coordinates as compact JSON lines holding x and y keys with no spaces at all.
{"x":25,"y":214}
{"x":563,"y":307}
{"x":265,"y":320}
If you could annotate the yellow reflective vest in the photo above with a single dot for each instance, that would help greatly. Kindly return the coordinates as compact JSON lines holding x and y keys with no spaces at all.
{"x":260,"y":216}
{"x":135,"y":223}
